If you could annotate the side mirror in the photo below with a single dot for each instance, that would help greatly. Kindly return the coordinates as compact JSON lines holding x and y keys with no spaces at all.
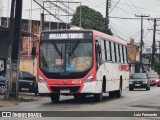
{"x":33,"y":53}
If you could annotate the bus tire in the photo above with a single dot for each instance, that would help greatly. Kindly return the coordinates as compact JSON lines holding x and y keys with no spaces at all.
{"x":76,"y":96}
{"x":111,"y":94}
{"x":98,"y":97}
{"x":55,"y":97}
{"x":118,"y":93}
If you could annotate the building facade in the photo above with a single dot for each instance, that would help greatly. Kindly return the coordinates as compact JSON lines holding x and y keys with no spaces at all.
{"x":31,"y":29}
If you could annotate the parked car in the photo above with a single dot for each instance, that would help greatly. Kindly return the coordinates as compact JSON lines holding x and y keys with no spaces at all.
{"x":154,"y":79}
{"x":139,"y":80}
{"x":2,"y":84}
{"x":27,"y":82}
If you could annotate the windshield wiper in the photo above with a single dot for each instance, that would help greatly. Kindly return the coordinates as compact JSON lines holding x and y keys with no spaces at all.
{"x":58,"y":51}
{"x":75,"y":46}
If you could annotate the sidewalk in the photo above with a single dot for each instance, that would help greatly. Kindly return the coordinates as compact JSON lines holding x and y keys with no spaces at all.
{"x":23,"y":97}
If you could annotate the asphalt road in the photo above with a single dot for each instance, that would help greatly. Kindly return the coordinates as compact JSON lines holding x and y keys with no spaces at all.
{"x":138,"y":100}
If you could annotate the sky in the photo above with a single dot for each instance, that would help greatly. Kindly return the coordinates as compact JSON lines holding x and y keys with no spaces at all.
{"x":123,"y":22}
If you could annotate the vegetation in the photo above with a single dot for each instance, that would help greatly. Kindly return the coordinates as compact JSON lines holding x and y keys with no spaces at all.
{"x":90,"y":19}
{"x":157,"y":66}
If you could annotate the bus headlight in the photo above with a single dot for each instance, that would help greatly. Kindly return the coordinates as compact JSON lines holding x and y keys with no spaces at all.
{"x":89,"y":79}
{"x":41,"y":79}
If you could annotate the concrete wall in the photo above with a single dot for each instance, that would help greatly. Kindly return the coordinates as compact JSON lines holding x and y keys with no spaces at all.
{"x":29,"y":65}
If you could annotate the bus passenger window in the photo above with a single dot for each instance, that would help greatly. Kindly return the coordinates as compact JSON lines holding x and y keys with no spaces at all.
{"x":121,"y":53}
{"x":113,"y":52}
{"x":125,"y":54}
{"x":117,"y":53}
{"x":103,"y":50}
{"x":108,"y":51}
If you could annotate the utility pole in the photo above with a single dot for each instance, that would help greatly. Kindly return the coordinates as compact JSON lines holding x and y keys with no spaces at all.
{"x":8,"y":71}
{"x":159,"y":51}
{"x":141,"y":41}
{"x":108,"y":5}
{"x":15,"y":48}
{"x":13,"y":52}
{"x":154,"y":45}
{"x":107,"y":20}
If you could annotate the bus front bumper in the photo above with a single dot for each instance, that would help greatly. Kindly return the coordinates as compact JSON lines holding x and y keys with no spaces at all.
{"x":90,"y":87}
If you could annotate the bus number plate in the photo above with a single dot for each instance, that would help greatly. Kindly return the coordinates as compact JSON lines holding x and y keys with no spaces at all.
{"x":65,"y":91}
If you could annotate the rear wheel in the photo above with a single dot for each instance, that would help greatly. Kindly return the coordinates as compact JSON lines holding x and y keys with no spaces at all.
{"x":111,"y":94}
{"x":55,"y":97}
{"x":118,"y":93}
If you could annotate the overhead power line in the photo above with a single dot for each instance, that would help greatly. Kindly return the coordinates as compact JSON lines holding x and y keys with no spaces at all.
{"x":114,"y":7}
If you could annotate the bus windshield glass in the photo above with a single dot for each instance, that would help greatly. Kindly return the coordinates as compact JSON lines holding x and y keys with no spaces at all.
{"x":65,"y":56}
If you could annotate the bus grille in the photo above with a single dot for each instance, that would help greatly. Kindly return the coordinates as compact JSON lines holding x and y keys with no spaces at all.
{"x":72,"y":89}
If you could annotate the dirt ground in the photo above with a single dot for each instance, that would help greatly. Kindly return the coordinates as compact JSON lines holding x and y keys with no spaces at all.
{"x":22,"y":97}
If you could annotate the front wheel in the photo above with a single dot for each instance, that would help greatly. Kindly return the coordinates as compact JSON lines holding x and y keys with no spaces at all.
{"x":55,"y":97}
{"x":98,"y":97}
{"x":148,"y":87}
{"x":2,"y":89}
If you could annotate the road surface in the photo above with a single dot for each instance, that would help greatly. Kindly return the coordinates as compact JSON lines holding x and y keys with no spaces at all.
{"x":138,"y":100}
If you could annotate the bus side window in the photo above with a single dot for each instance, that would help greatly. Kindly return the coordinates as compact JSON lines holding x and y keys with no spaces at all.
{"x":117,"y":53}
{"x":103,"y":53}
{"x":121,"y":53}
{"x":112,"y":52}
{"x":125,"y":54}
{"x":108,"y":51}
{"x":98,"y":52}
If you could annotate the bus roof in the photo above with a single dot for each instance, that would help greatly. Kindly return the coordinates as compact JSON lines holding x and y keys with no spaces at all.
{"x":95,"y":33}
{"x":109,"y":37}
{"x":68,"y":30}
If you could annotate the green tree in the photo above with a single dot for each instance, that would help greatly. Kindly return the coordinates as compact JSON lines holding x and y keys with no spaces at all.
{"x":90,"y":19}
{"x":157,"y":66}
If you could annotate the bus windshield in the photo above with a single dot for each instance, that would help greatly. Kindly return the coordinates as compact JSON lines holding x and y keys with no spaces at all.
{"x":65,"y":56}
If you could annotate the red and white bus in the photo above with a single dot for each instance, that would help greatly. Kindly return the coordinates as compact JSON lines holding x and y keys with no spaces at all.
{"x":81,"y":63}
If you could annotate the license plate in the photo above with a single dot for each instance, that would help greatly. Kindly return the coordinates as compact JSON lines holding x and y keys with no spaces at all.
{"x":65,"y":91}
{"x":25,"y":89}
{"x":137,"y":84}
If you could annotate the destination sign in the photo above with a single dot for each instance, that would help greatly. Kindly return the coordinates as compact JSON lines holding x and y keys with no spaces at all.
{"x":66,"y":35}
